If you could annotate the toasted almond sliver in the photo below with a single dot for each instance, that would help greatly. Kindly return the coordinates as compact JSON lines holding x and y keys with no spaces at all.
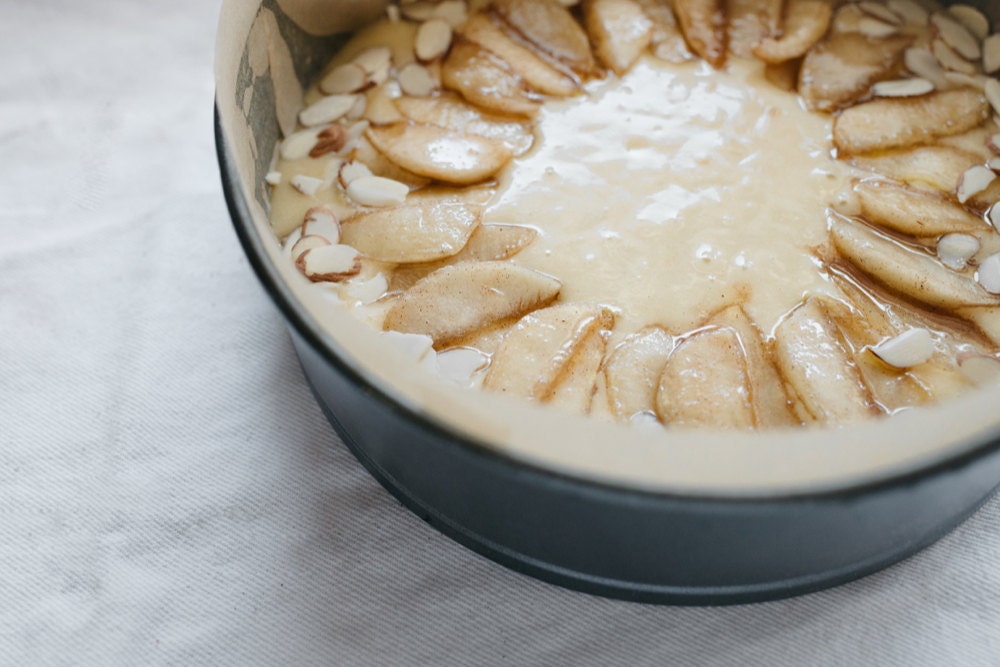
{"x":327,"y":110}
{"x":973,"y":181}
{"x":377,"y":191}
{"x":433,"y":40}
{"x":910,"y":348}
{"x":902,"y":88}
{"x":880,"y":11}
{"x":991,"y":54}
{"x":955,"y":250}
{"x":910,"y":10}
{"x":950,"y":59}
{"x":971,"y":19}
{"x":416,"y":80}
{"x":349,"y":78}
{"x":307,"y":185}
{"x":869,"y":26}
{"x":992,"y":91}
{"x":988,"y":274}
{"x":351,"y":171}
{"x":956,"y":35}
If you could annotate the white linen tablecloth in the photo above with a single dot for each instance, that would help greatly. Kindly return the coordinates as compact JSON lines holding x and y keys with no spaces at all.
{"x":171,"y":495}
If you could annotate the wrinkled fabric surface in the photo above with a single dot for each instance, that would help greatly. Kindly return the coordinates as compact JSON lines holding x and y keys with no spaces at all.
{"x":171,"y":495}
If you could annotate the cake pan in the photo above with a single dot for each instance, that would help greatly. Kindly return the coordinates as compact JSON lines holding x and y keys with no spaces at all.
{"x":678,"y":517}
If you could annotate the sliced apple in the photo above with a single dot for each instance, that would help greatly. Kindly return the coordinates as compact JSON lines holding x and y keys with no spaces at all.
{"x":574,"y":392}
{"x":750,"y":21}
{"x":703,"y":23}
{"x":901,"y":122}
{"x":533,"y":359}
{"x":486,"y":80}
{"x":771,"y":404}
{"x":939,"y":167}
{"x":818,"y":369}
{"x":909,"y":272}
{"x":525,"y":62}
{"x":421,"y":233}
{"x":619,"y":30}
{"x":804,"y":23}
{"x":842,"y":68}
{"x":914,"y":212}
{"x":704,"y":383}
{"x":454,"y":114}
{"x":379,"y":165}
{"x":439,"y":153}
{"x":666,"y":38}
{"x":633,"y":369}
{"x":551,"y":28}
{"x":458,"y":300}
{"x":488,"y":243}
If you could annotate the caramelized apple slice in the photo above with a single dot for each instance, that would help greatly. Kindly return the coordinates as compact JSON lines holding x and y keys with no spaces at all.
{"x":486,"y":80}
{"x":535,"y":356}
{"x":619,"y":30}
{"x":703,"y":23}
{"x":488,"y":243}
{"x":840,"y":69}
{"x":901,"y":122}
{"x":458,"y":300}
{"x":818,"y":369}
{"x":771,"y":405}
{"x":666,"y":39}
{"x":913,"y":212}
{"x":939,"y":167}
{"x":537,"y":73}
{"x":804,"y":23}
{"x":633,"y":369}
{"x":439,"y":153}
{"x":454,"y":114}
{"x":750,"y":21}
{"x":549,"y":26}
{"x":420,"y":233}
{"x":909,"y":272}
{"x":705,"y":383}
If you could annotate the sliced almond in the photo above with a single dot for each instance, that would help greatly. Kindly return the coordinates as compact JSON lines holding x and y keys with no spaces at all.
{"x":973,"y":181}
{"x":703,"y":23}
{"x":414,"y":233}
{"x":902,"y":88}
{"x":910,"y":348}
{"x":458,"y":300}
{"x":920,"y":61}
{"x":433,"y":40}
{"x":704,"y":383}
{"x":273,"y":178}
{"x":522,"y":60}
{"x":956,"y":35}
{"x":376,"y":61}
{"x":297,"y":146}
{"x":993,"y":216}
{"x":305,"y":244}
{"x":988,"y":274}
{"x":416,"y":80}
{"x":914,"y":212}
{"x":955,"y":250}
{"x":805,"y":23}
{"x":486,"y":80}
{"x":992,"y":91}
{"x":351,"y":171}
{"x":667,"y":40}
{"x":815,"y":363}
{"x":908,"y":272}
{"x":536,"y":354}
{"x":329,"y":263}
{"x":327,"y":110}
{"x":869,"y":26}
{"x":453,"y":12}
{"x":937,"y":166}
{"x":380,"y":165}
{"x":321,"y":221}
{"x":980,"y":370}
{"x":381,"y":108}
{"x":452,"y":113}
{"x":991,"y":54}
{"x":377,"y":191}
{"x":895,"y":123}
{"x":420,"y":10}
{"x":438,"y":153}
{"x":911,"y":11}
{"x":345,"y":79}
{"x":750,"y":21}
{"x":633,"y":369}
{"x":551,"y":28}
{"x":460,"y":365}
{"x":950,"y":59}
{"x":619,"y":30}
{"x":307,"y":185}
{"x":840,"y":69}
{"x":880,"y":11}
{"x":367,"y":291}
{"x":971,"y":19}
{"x":331,"y":140}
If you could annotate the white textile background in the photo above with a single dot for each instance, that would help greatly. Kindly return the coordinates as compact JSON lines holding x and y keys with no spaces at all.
{"x":171,"y":495}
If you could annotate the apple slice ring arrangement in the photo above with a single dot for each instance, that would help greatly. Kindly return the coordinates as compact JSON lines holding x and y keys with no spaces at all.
{"x":413,"y":145}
